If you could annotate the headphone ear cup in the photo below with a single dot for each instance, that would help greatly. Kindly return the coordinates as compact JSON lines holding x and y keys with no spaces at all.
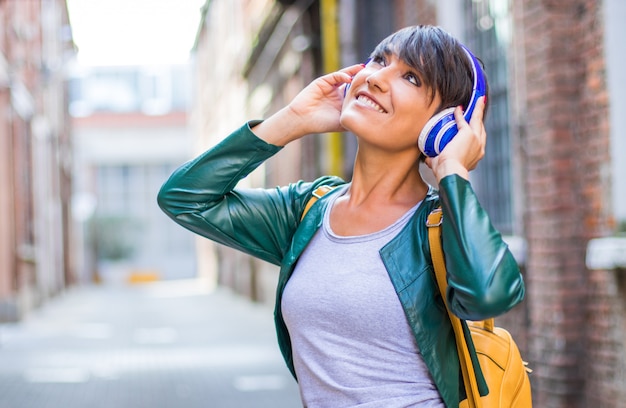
{"x":441,"y":128}
{"x":437,"y":132}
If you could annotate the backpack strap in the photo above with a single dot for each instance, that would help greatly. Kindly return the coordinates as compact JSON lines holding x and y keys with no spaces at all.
{"x":435,"y":218}
{"x":317,"y":194}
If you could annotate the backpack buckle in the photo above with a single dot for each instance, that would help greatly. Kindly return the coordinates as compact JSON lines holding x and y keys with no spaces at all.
{"x":435,"y":218}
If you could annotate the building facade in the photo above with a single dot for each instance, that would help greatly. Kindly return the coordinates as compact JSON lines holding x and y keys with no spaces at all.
{"x":130,"y":131}
{"x":35,"y":154}
{"x":550,"y":178}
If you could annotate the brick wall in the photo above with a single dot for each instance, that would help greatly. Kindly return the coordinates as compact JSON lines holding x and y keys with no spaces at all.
{"x":410,"y":12}
{"x":606,"y":351}
{"x":606,"y":289}
{"x":565,"y":141}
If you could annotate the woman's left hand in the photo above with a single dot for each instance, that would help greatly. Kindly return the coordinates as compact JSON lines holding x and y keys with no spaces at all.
{"x":315,"y":109}
{"x":466,"y":149}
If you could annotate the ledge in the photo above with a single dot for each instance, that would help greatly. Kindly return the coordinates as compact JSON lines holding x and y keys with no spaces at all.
{"x":606,"y":253}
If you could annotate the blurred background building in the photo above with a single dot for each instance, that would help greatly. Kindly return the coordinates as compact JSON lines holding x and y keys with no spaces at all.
{"x":78,"y":199}
{"x":35,"y":155}
{"x":130,"y":131}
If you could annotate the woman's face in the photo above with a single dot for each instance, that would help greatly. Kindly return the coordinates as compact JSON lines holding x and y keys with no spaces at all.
{"x":387,"y":103}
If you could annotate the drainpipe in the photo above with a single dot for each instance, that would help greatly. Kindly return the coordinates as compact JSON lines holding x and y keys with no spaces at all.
{"x":331,"y":62}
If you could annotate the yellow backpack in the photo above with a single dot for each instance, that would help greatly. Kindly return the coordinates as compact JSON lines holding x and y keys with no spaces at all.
{"x":504,"y":370}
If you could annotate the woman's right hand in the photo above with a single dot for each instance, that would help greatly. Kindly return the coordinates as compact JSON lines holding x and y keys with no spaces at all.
{"x":316,"y":109}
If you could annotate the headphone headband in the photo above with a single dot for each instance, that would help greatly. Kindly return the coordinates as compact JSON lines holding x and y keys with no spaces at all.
{"x":441,"y":128}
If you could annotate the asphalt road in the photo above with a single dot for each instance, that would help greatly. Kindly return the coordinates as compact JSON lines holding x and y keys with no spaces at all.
{"x":160,"y":345}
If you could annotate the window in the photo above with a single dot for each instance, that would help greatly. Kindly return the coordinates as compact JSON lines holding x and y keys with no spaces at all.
{"x":488,"y":34}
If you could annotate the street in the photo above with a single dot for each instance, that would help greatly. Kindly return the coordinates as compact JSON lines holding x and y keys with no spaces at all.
{"x":166,"y":344}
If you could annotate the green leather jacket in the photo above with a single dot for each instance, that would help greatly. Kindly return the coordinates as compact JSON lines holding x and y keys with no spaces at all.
{"x":484,"y":279}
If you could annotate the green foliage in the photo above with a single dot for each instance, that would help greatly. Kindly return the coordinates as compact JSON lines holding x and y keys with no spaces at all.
{"x":621,"y":228}
{"x":114,"y":237}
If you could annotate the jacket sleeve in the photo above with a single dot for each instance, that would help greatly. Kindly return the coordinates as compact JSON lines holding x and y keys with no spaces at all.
{"x":201,"y":196}
{"x":484,"y":279}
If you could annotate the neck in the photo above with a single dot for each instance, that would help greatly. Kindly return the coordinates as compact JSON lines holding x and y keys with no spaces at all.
{"x":387,"y":181}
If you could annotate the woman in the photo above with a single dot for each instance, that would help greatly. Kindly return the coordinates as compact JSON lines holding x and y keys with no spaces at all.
{"x":358,"y":315}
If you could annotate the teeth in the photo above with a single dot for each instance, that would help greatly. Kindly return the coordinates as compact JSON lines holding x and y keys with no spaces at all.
{"x":367,"y":101}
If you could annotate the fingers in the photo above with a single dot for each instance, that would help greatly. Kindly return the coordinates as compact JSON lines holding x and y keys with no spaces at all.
{"x":475,"y":124}
{"x":343,"y":76}
{"x":353,"y":69}
{"x":479,"y":111}
{"x":477,"y":116}
{"x":476,"y":121}
{"x":459,"y":118}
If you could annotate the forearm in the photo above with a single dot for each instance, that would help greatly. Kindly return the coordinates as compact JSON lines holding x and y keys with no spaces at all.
{"x":201,"y":196}
{"x":205,"y":179}
{"x":484,"y":278}
{"x":281,"y":128}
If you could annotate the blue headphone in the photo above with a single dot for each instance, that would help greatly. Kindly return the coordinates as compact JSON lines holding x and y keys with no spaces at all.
{"x":441,"y":128}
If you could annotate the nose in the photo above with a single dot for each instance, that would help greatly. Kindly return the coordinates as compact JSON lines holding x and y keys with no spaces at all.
{"x":379,"y":78}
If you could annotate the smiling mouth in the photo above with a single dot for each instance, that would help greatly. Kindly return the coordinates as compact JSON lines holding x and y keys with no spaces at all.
{"x":367,"y":101}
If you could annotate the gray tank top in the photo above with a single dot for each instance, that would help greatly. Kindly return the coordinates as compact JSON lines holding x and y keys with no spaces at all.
{"x":352,"y":344}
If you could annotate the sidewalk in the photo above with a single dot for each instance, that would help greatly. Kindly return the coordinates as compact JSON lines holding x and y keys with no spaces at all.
{"x":166,"y":344}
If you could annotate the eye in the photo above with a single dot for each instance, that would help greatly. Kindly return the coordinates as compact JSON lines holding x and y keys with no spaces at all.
{"x":380,"y":60}
{"x":414,"y":79}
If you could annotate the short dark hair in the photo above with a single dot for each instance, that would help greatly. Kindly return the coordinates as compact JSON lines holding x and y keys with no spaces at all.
{"x":438,"y":58}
